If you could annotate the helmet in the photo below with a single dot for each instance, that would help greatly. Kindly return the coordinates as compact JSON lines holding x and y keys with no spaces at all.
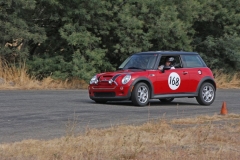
{"x":170,"y":59}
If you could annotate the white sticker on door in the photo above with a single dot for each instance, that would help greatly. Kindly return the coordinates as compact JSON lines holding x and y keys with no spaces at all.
{"x":174,"y":81}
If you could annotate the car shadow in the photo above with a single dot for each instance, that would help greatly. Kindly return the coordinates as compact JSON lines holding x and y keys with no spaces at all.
{"x":151,"y":103}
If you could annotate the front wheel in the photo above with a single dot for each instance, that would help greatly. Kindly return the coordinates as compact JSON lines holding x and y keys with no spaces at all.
{"x":166,"y":100}
{"x":206,"y":94}
{"x":140,"y":94}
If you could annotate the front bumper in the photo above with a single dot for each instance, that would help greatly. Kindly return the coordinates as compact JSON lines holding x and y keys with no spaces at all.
{"x":115,"y":93}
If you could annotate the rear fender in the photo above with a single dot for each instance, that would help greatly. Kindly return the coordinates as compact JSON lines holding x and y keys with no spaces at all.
{"x":206,"y":79}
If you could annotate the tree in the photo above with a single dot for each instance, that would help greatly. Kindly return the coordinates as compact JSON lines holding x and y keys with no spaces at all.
{"x":17,"y":29}
{"x":217,"y":34}
{"x":79,"y":38}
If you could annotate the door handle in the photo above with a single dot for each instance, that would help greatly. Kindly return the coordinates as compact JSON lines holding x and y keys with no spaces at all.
{"x":184,"y":72}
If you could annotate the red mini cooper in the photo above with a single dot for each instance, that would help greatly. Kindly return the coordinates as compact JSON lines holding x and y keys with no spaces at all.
{"x":162,"y":75}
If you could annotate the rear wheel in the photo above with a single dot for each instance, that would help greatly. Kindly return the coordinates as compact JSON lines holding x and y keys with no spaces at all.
{"x":166,"y":100}
{"x":206,"y":94}
{"x":140,"y":94}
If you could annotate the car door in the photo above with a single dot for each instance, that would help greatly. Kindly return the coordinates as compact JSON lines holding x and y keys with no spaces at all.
{"x":173,"y":81}
{"x":195,"y":67}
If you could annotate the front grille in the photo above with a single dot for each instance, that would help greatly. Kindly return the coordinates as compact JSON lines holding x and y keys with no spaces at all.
{"x":104,"y":94}
{"x":104,"y":78}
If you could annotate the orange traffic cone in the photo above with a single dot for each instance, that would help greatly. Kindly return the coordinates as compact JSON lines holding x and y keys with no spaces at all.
{"x":224,"y":109}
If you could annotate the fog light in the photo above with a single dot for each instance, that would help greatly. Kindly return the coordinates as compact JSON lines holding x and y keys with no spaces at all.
{"x":121,"y":88}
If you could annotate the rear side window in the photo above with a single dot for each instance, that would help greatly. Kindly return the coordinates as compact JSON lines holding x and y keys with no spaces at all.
{"x":191,"y":61}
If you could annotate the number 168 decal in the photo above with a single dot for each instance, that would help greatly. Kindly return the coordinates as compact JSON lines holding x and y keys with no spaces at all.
{"x":174,"y":81}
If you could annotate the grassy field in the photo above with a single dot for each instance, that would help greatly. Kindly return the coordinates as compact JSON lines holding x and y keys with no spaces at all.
{"x":203,"y":137}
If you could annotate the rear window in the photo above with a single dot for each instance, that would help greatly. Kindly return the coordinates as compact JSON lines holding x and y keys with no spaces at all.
{"x":191,"y":61}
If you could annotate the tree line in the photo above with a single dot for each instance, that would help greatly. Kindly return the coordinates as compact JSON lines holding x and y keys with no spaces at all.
{"x":78,"y":38}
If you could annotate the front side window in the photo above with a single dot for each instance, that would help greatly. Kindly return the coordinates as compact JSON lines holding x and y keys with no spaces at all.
{"x":174,"y":61}
{"x":139,"y":62}
{"x":192,"y":61}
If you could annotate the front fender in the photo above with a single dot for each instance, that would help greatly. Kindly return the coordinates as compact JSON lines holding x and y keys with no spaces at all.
{"x":145,"y":80}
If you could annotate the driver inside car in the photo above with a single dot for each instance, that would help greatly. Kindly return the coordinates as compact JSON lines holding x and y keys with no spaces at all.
{"x":168,"y":62}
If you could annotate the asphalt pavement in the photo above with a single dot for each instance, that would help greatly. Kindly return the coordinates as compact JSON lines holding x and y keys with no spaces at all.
{"x":48,"y":114}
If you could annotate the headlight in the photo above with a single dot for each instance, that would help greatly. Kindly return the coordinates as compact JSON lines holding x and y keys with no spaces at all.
{"x":126,"y":79}
{"x":94,"y":80}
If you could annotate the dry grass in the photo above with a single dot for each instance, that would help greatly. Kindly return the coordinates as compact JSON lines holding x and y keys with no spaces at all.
{"x":204,"y":137}
{"x":227,"y":81}
{"x":18,"y":78}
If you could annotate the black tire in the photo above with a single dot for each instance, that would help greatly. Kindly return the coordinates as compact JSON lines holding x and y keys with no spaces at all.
{"x":101,"y":101}
{"x":166,"y":100}
{"x":140,"y":94}
{"x":206,"y":94}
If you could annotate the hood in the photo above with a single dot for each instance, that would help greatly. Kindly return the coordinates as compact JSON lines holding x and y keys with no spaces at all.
{"x":128,"y":71}
{"x":120,"y":73}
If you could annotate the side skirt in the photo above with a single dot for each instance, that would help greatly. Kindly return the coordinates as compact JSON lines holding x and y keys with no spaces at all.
{"x":181,"y":95}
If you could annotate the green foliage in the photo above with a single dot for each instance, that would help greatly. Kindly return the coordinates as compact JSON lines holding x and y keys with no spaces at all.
{"x":79,"y":38}
{"x":53,"y":65}
{"x":217,"y":34}
{"x":224,"y":52}
{"x":16,"y":29}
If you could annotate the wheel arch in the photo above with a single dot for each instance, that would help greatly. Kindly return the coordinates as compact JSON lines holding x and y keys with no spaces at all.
{"x":209,"y":80}
{"x":146,"y":81}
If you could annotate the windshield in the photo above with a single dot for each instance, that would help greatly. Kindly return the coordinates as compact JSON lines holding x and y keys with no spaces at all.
{"x":139,"y":62}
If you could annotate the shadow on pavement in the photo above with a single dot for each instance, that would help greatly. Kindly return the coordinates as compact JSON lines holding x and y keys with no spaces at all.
{"x":151,"y":103}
